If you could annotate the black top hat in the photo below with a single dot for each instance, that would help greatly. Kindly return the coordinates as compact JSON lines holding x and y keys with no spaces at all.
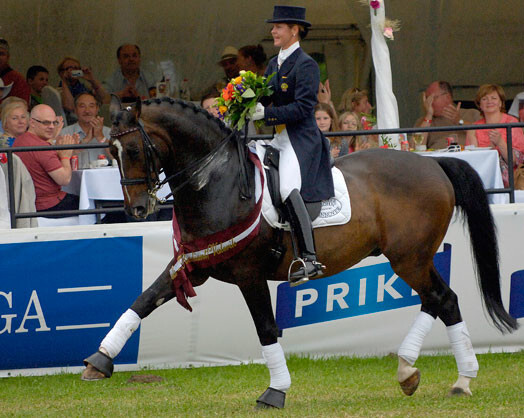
{"x":289,"y":14}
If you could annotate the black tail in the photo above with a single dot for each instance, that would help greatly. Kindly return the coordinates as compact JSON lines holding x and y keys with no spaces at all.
{"x":472,"y":201}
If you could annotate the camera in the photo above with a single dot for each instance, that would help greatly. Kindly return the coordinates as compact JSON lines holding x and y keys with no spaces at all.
{"x":77,"y":73}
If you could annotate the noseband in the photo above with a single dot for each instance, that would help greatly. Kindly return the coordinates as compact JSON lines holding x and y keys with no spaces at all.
{"x":152,"y":178}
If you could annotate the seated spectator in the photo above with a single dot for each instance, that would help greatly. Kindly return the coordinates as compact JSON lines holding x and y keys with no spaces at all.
{"x":440,"y":110}
{"x":76,"y":79}
{"x":15,"y":120}
{"x":37,"y":77}
{"x":327,"y":121}
{"x":355,"y":100}
{"x":130,"y":81}
{"x":49,"y":169}
{"x":229,"y":63}
{"x":490,"y":100}
{"x":208,"y":102}
{"x":517,"y":109}
{"x":90,"y":129}
{"x":349,"y":121}
{"x":10,"y":77}
{"x":252,"y":58}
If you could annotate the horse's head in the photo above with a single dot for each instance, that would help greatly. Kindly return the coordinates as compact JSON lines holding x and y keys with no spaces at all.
{"x":138,"y":159}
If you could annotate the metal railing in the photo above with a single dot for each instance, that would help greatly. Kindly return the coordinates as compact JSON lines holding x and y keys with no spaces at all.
{"x":9,"y":151}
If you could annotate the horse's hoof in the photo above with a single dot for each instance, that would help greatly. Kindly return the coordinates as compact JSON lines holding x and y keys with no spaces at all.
{"x":410,"y":385}
{"x":91,"y":373}
{"x":271,"y":398}
{"x":456,"y":391}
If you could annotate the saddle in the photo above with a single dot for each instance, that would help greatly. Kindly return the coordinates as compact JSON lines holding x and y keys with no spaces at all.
{"x":271,"y":159}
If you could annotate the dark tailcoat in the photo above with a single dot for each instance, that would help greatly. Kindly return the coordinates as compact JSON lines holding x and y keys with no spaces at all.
{"x":295,"y":88}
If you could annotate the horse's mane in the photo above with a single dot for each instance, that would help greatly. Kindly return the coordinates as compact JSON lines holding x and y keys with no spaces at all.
{"x":190,"y":108}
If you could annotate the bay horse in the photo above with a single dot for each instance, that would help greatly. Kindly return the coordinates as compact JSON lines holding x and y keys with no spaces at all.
{"x":401,"y":206}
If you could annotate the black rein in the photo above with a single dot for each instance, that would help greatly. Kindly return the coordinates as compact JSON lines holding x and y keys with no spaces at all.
{"x":150,"y":151}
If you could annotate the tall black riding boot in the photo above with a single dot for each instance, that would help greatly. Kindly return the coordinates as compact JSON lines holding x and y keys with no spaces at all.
{"x":302,"y":231}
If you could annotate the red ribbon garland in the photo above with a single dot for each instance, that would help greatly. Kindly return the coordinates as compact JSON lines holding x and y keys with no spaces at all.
{"x":217,"y":247}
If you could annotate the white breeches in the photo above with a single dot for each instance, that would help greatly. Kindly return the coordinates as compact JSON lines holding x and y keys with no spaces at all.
{"x":288,"y":167}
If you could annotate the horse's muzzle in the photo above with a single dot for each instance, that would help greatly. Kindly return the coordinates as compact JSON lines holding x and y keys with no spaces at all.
{"x":142,"y":212}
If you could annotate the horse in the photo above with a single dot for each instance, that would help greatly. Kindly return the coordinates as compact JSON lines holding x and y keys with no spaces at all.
{"x":401,"y":205}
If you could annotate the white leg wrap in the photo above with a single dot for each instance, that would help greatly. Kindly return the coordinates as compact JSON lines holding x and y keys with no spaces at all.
{"x":115,"y":340}
{"x":410,"y":348}
{"x":276,"y":363}
{"x":463,"y":350}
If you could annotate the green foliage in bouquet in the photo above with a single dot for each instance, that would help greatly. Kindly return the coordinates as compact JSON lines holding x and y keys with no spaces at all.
{"x":238,"y":100}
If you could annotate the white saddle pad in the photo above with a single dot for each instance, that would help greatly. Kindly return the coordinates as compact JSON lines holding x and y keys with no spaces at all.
{"x":335,"y":211}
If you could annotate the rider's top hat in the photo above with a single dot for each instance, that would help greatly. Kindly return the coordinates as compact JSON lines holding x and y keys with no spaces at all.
{"x":289,"y":14}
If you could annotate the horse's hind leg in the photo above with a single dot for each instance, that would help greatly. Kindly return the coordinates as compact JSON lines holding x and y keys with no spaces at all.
{"x":437,"y":300}
{"x":100,"y":364}
{"x":258,"y":299}
{"x":459,"y":339}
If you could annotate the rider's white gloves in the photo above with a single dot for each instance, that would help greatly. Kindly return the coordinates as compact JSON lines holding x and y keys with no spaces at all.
{"x":259,"y":112}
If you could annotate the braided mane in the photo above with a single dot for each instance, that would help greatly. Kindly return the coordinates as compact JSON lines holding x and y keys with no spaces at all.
{"x":189,"y":107}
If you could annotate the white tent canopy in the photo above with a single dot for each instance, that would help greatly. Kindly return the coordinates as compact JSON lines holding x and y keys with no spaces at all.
{"x":465,"y":42}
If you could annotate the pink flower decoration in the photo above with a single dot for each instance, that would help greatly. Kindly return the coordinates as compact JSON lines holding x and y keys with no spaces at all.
{"x":375,"y":4}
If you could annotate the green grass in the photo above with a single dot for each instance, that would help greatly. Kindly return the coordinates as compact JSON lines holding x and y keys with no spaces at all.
{"x":341,"y":387}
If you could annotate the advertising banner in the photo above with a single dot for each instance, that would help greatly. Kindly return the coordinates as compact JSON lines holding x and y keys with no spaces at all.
{"x":62,"y":289}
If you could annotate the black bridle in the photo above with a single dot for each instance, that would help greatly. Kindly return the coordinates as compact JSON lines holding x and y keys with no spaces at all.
{"x":152,"y":178}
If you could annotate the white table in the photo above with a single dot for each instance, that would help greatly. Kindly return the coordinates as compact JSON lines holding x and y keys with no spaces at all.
{"x":486,"y":164}
{"x":96,"y":184}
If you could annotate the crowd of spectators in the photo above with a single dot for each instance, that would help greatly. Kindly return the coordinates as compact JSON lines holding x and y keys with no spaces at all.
{"x":35,"y":113}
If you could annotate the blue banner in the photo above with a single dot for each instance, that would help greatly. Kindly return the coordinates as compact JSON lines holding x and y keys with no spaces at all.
{"x":58,"y":299}
{"x":353,"y":292}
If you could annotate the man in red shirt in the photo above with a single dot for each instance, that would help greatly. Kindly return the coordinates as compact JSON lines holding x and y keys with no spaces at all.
{"x":49,"y":169}
{"x":20,"y":87}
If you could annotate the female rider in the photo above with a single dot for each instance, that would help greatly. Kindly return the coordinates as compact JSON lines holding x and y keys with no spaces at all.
{"x":305,"y":172}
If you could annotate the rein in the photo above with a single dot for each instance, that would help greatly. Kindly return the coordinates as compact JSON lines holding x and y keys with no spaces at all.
{"x":150,"y":151}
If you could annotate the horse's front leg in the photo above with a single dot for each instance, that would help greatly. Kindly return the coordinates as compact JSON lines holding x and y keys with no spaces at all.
{"x":100,"y":364}
{"x":258,"y":299}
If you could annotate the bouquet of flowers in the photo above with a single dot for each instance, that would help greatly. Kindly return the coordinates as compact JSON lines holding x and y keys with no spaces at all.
{"x":238,"y":100}
{"x":368,"y":121}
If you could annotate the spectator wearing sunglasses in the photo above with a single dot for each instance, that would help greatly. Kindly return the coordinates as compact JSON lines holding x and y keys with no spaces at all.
{"x":50,"y":170}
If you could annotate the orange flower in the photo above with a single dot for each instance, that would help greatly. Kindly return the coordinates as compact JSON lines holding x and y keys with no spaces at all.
{"x":237,"y":80}
{"x":227,"y":93}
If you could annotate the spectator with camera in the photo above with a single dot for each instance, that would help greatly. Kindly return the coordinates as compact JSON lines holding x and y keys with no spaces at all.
{"x":76,"y":79}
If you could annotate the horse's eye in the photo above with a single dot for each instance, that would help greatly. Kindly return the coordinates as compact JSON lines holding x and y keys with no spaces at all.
{"x":132,"y":151}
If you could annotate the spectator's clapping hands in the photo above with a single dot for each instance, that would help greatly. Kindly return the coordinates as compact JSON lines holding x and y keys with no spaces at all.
{"x":66,"y":140}
{"x":60,"y":125}
{"x":97,"y":124}
{"x":428,"y":104}
{"x":128,"y":91}
{"x":324,"y":93}
{"x":495,"y":137}
{"x":335,"y":151}
{"x":452,"y":112}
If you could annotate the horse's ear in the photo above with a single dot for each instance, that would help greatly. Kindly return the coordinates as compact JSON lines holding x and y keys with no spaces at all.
{"x":137,"y":110}
{"x":115,"y":106}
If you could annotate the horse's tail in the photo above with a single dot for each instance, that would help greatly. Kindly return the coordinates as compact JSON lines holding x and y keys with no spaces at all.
{"x":472,"y":201}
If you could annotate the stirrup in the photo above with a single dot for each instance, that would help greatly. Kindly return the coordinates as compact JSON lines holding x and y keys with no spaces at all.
{"x":317,"y":272}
